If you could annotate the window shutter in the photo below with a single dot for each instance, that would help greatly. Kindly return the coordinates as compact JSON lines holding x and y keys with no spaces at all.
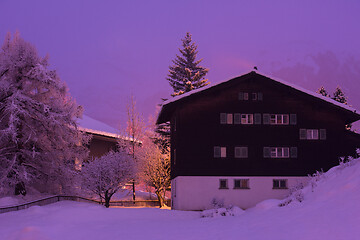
{"x":241,"y":96}
{"x":222,"y":118}
{"x":246,"y":96}
{"x":217,"y":152}
{"x":257,"y":118}
{"x":266,"y":118}
{"x":244,"y":152}
{"x":260,"y":96}
{"x":266,"y":152}
{"x":293,"y":119}
{"x":229,"y":118}
{"x":237,"y":152}
{"x":302,"y":133}
{"x":293,"y":152}
{"x":237,"y":119}
{"x":322,"y":134}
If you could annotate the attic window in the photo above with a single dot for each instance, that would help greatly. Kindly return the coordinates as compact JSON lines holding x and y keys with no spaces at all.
{"x":243,"y":96}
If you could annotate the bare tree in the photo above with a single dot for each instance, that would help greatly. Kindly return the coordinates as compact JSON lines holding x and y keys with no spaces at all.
{"x":104,"y":176}
{"x":134,"y":133}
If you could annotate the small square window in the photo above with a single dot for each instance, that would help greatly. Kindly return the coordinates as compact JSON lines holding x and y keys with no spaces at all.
{"x":246,"y":96}
{"x":280,"y":184}
{"x":241,"y":183}
{"x":254,"y":96}
{"x":223,"y":184}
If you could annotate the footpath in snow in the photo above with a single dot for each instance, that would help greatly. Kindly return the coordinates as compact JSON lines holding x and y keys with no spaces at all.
{"x":329,"y":209}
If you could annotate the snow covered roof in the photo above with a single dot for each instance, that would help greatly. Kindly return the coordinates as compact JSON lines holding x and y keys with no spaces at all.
{"x":90,"y":125}
{"x":272,"y":78}
{"x":291,"y":85}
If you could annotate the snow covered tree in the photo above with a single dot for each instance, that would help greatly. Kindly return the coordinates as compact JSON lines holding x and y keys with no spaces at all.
{"x":104,"y":176}
{"x":339,"y":95}
{"x":135,"y":128}
{"x":39,"y":139}
{"x":155,"y":165}
{"x":186,"y":74}
{"x":323,"y":92}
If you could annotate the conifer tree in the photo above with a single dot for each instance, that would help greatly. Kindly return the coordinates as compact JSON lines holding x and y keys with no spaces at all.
{"x":323,"y":91}
{"x":339,"y":95}
{"x":186,"y":74}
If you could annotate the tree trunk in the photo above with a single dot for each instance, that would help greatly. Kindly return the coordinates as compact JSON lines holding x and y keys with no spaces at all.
{"x":107,"y":199}
{"x":160,"y":198}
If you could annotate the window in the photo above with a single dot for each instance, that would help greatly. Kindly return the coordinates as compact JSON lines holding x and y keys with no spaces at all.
{"x":223,"y":184}
{"x":223,"y":152}
{"x":276,"y":152}
{"x":254,"y":96}
{"x":260,"y":96}
{"x":219,"y":152}
{"x":241,"y":184}
{"x":280,"y":184}
{"x":241,"y":152}
{"x":246,"y":96}
{"x":257,"y":118}
{"x":293,"y":119}
{"x":247,"y":119}
{"x":229,"y":118}
{"x":279,"y":119}
{"x":312,"y":134}
{"x":243,"y":96}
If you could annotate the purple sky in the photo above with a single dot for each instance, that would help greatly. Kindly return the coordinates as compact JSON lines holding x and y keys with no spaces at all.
{"x":107,"y":50}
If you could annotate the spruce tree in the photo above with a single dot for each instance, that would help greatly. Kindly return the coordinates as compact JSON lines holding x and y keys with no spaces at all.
{"x":339,"y":95}
{"x":323,"y":91}
{"x":186,"y":74}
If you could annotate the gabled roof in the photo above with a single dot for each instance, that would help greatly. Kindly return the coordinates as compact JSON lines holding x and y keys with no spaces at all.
{"x":166,"y":104}
{"x":90,"y":125}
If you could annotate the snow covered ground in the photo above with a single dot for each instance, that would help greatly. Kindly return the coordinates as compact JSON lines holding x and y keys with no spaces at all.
{"x":330,"y":210}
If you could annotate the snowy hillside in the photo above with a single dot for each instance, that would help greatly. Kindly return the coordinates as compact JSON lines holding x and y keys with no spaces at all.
{"x":329,"y":209}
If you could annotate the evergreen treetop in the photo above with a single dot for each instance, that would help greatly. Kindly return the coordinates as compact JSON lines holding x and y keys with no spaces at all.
{"x":186,"y":74}
{"x":339,"y":95}
{"x":323,"y":91}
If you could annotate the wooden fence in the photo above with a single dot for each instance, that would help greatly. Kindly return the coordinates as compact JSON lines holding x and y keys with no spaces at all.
{"x":57,"y":198}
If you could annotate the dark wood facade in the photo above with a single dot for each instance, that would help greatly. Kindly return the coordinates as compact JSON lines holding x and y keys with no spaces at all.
{"x":196,"y":130}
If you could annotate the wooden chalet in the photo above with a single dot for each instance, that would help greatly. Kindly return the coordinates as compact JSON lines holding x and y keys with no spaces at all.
{"x":252,"y":138}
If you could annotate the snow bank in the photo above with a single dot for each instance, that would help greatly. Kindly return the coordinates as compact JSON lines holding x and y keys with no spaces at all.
{"x":329,"y":210}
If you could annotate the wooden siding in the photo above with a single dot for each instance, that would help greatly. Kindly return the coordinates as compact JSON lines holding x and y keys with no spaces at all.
{"x":198,"y":130}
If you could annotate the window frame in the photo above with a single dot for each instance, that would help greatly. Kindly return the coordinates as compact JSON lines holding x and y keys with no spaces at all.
{"x":223,"y":180}
{"x":244,"y":183}
{"x":248,"y":118}
{"x":241,"y":150}
{"x":279,"y":152}
{"x":277,"y":184}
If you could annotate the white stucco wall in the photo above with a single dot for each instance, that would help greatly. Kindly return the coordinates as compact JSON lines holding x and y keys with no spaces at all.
{"x":196,"y":193}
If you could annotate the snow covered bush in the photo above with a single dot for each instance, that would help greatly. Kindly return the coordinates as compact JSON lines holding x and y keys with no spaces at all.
{"x":222,"y":212}
{"x":39,"y":139}
{"x":104,"y":176}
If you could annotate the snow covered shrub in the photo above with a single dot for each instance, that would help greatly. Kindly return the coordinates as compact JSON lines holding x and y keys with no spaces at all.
{"x":217,"y":203}
{"x":39,"y":138}
{"x":222,"y":212}
{"x":104,"y":176}
{"x":296,"y":194}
